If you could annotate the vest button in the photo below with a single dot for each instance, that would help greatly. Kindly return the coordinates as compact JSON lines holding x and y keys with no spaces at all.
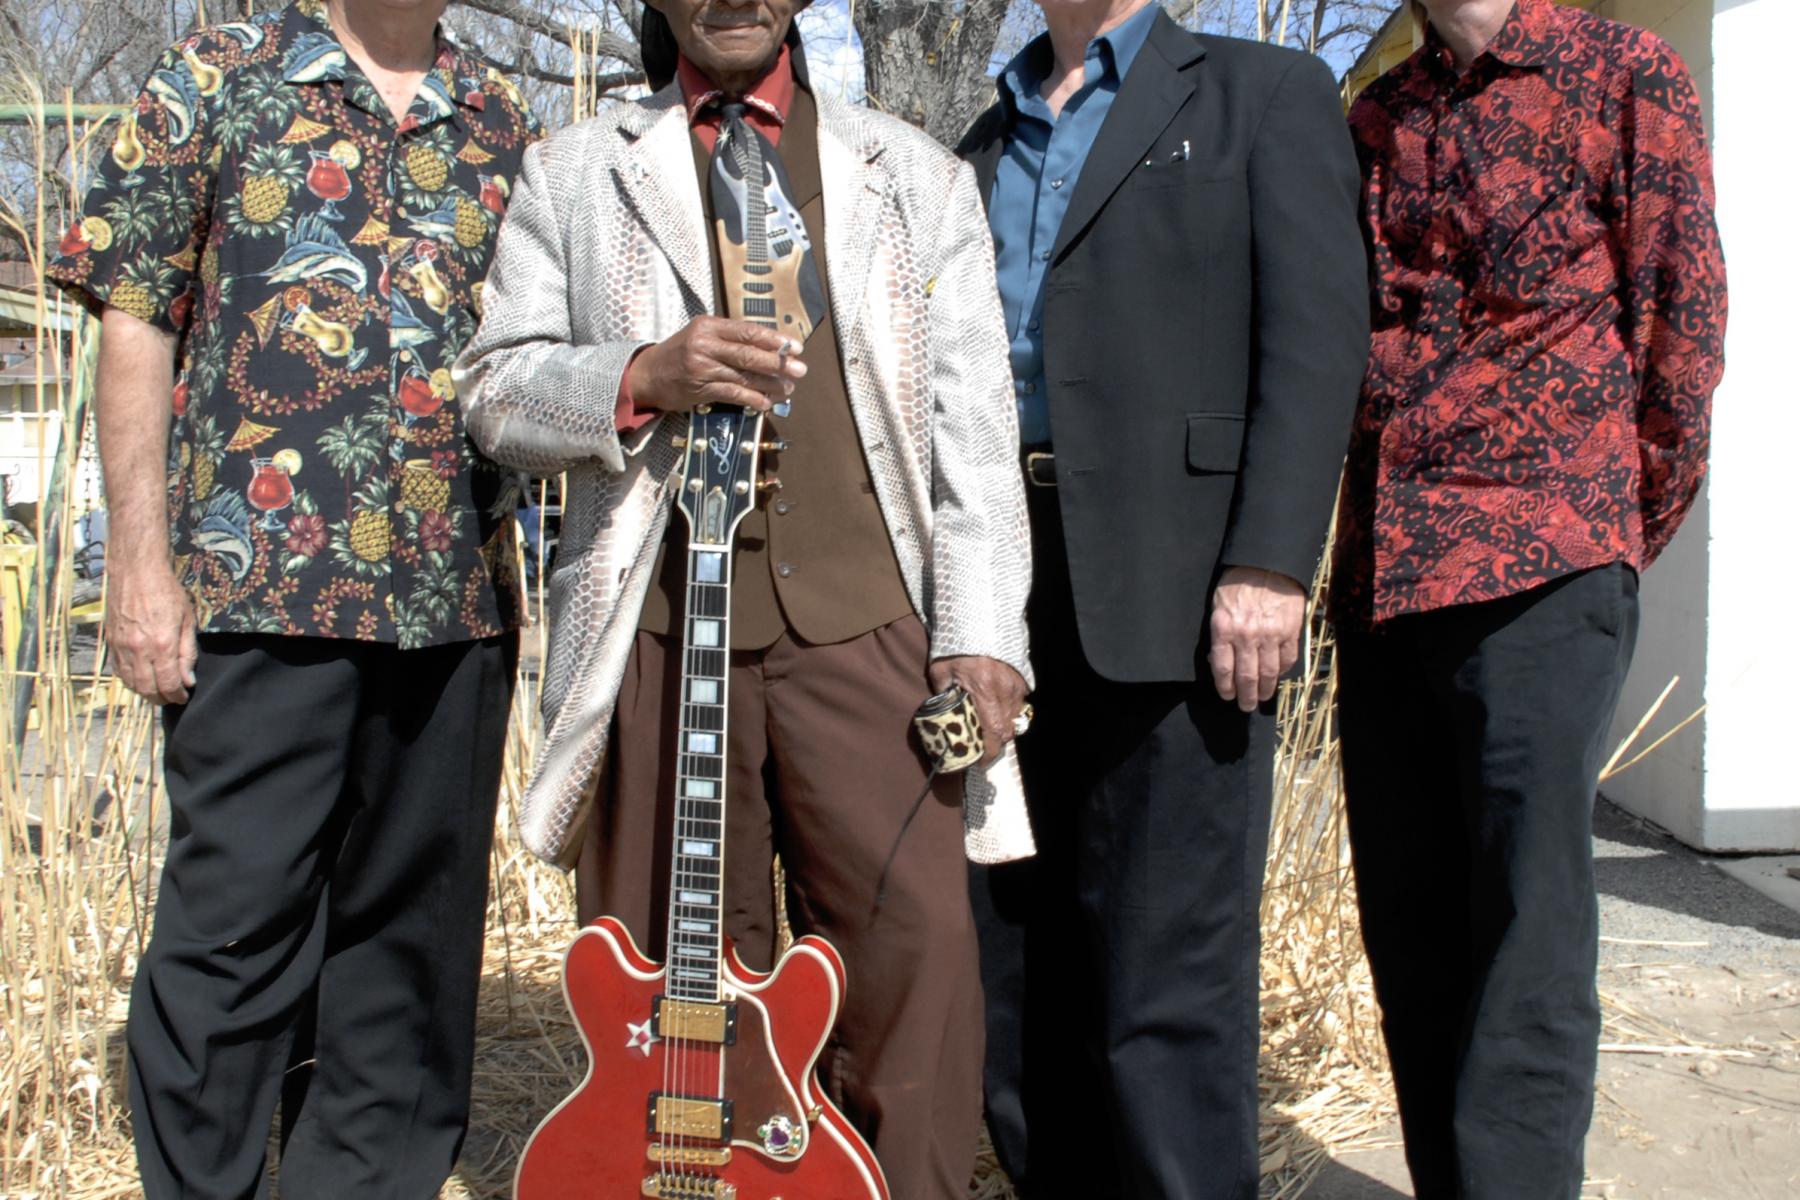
{"x":783,"y":570}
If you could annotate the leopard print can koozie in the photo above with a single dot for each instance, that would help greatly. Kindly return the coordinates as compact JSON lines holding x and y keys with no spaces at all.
{"x":950,"y":730}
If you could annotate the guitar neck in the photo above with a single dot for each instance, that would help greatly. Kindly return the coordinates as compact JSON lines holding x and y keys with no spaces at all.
{"x":696,"y":885}
{"x":758,"y":300}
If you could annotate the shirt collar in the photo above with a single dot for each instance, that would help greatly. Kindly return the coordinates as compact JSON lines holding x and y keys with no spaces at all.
{"x":1526,"y":40}
{"x":772,"y":94}
{"x":1115,"y":51}
{"x":311,"y":53}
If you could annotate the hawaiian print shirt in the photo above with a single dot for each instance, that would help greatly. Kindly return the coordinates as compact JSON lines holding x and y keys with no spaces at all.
{"x":1548,"y":315}
{"x":323,"y":263}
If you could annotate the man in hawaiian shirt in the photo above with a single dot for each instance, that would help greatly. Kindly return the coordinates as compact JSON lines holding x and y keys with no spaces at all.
{"x":313,"y":569}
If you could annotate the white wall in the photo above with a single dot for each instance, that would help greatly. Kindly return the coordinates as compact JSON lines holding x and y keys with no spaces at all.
{"x":1716,"y":605}
{"x":1752,"y":800}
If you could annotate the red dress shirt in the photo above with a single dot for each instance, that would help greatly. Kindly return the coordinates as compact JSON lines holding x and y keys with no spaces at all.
{"x":766,"y":107}
{"x":1548,"y":315}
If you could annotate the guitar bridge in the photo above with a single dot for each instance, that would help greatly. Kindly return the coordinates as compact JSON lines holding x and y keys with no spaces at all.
{"x":688,"y":1187}
{"x":693,"y":1021}
{"x":690,"y":1117}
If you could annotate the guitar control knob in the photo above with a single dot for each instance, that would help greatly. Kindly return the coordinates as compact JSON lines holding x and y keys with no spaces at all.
{"x":776,"y":446}
{"x":771,"y":484}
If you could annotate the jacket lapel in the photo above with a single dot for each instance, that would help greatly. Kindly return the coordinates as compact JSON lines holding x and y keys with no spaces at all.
{"x":1153,"y":92}
{"x":854,"y":187}
{"x":657,"y":177}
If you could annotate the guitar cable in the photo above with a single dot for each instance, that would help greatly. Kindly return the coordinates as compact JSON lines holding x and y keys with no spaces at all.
{"x":894,"y":852}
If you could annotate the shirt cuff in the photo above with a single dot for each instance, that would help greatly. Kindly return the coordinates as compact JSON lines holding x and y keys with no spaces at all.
{"x":627,"y":417}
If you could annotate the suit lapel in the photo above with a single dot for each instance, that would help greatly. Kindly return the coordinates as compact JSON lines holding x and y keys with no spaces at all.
{"x":657,"y":177}
{"x":1153,"y":92}
{"x":854,"y":187}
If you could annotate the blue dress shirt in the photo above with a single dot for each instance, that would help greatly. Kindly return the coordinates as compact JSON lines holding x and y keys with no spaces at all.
{"x":1039,"y":164}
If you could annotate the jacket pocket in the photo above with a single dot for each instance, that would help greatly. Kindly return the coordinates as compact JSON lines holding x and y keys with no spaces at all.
{"x":1215,"y":442}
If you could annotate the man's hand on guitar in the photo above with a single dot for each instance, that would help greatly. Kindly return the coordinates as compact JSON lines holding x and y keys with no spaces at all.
{"x":716,"y":361}
{"x":997,"y":690}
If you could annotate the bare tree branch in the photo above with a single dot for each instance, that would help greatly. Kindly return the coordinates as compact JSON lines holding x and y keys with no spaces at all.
{"x":608,"y":44}
{"x":610,"y":82}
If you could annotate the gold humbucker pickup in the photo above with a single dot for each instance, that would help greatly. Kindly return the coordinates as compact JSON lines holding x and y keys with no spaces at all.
{"x":690,"y":1116}
{"x":695,"y":1021}
{"x":688,"y":1187}
{"x":689,"y":1156}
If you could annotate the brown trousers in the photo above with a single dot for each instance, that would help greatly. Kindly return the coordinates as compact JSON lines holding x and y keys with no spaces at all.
{"x":822,"y":768}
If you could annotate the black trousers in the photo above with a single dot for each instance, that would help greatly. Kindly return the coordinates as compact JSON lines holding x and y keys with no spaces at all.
{"x":1120,"y":964}
{"x":321,"y":909}
{"x":1473,"y":739}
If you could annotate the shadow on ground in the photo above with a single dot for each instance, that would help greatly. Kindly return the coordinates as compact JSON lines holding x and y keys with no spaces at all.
{"x":1342,"y":1180}
{"x":1641,"y":871}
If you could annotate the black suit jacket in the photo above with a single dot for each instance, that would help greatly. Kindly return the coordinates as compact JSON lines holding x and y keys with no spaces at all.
{"x":1205,"y":334}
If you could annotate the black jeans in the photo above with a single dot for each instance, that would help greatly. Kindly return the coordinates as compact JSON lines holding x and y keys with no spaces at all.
{"x":1473,"y":739}
{"x":1120,"y":964}
{"x":321,"y":909}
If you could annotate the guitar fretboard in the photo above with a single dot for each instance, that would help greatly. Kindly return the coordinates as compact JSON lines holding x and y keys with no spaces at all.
{"x":696,"y":906}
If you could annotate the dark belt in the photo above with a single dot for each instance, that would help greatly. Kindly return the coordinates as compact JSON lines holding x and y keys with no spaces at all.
{"x":1040,"y":468}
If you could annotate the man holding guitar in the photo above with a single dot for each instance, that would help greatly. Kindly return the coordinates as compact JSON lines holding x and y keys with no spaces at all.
{"x":738,"y":241}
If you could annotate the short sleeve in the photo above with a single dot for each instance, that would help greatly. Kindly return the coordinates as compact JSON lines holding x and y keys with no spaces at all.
{"x":144,"y":221}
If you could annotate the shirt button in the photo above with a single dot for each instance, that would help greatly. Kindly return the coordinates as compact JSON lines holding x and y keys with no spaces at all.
{"x":783,"y":570}
{"x":1056,"y":184}
{"x":1031,"y":389}
{"x":1033,"y":326}
{"x":781,"y":507}
{"x":1044,"y":256}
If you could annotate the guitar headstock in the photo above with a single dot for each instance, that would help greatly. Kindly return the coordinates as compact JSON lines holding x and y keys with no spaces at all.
{"x":718,"y":471}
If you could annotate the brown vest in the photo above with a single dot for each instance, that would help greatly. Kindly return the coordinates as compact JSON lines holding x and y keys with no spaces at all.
{"x":814,"y":557}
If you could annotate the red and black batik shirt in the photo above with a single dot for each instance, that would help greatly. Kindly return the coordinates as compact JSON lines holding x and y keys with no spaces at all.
{"x":323,"y":264}
{"x":1548,"y":315}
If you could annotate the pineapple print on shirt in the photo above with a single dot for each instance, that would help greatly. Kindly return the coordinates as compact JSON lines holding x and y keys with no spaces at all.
{"x":324,"y":263}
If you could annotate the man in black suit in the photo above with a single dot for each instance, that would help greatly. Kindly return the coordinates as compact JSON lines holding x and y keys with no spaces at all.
{"x":1175,"y":223}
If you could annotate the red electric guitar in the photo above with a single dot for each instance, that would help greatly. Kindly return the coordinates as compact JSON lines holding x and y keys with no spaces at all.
{"x":700,"y":1081}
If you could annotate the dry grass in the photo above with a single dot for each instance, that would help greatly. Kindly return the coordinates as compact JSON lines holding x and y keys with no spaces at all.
{"x":79,"y":852}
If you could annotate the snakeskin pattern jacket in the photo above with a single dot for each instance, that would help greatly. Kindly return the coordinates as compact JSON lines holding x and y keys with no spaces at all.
{"x":604,"y":251}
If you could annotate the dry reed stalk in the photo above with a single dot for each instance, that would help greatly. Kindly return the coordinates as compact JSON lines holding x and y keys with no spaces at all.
{"x":73,"y":804}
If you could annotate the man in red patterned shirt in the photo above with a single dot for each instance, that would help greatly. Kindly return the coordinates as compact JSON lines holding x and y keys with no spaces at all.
{"x":1549,"y":310}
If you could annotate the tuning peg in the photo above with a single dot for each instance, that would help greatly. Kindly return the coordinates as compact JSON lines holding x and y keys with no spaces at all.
{"x":776,"y":446}
{"x":771,"y":484}
{"x":781,"y":409}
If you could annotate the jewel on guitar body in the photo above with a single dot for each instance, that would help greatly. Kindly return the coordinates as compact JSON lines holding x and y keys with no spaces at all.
{"x":701,"y":1072}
